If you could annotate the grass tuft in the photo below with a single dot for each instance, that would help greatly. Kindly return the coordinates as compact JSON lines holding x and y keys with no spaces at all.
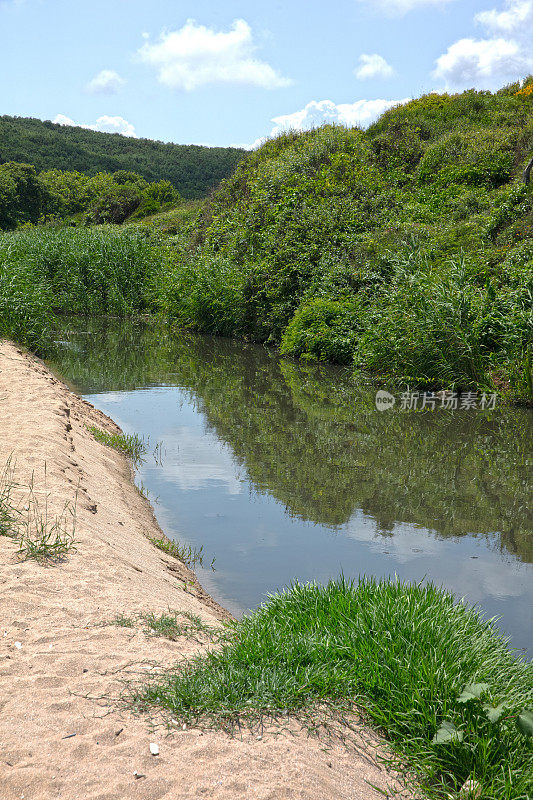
{"x":131,"y":445}
{"x":8,"y":520}
{"x":401,"y":652}
{"x":42,"y":535}
{"x":171,"y":625}
{"x":191,"y":556}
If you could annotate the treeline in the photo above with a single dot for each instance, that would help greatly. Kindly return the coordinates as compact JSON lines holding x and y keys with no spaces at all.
{"x":51,"y":196}
{"x":193,"y":170}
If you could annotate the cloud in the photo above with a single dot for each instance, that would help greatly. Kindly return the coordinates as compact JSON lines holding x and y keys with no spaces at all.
{"x":519,"y":13}
{"x":373,"y":66}
{"x":103,"y":124}
{"x":194,"y":56}
{"x":106,"y":82}
{"x":318,"y":112}
{"x":401,"y":7}
{"x":486,"y":63}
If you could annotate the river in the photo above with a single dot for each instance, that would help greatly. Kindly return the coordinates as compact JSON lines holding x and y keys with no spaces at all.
{"x":284,"y":471}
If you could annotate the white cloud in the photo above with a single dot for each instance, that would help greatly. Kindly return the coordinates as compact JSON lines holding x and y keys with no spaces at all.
{"x":103,"y":124}
{"x":400,"y":7}
{"x":519,"y":13}
{"x":482,"y":63}
{"x":489,"y":62}
{"x":372,"y":65}
{"x":106,"y":82}
{"x":195,"y":56}
{"x":318,"y":112}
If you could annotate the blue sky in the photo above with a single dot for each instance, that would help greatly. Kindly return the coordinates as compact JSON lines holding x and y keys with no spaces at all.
{"x":231,"y":72}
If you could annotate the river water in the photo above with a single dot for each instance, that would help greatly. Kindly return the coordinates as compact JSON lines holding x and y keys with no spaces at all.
{"x":284,"y":471}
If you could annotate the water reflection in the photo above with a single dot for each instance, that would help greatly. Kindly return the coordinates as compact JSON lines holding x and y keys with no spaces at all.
{"x":447,"y":491}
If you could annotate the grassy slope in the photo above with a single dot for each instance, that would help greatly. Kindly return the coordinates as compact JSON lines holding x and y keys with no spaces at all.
{"x":406,"y":250}
{"x":192,"y":169}
{"x":403,"y":653}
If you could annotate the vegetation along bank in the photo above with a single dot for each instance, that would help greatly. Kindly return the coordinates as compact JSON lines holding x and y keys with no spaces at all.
{"x":404,"y":251}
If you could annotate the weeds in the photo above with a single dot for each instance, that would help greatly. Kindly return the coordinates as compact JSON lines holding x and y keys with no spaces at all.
{"x":400,"y":652}
{"x":191,"y":556}
{"x":172,"y":625}
{"x":132,"y":445}
{"x":40,"y":534}
{"x":8,"y":518}
{"x":43,"y":535}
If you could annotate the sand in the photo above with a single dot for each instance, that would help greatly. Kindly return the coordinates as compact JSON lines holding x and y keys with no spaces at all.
{"x":63,"y":731}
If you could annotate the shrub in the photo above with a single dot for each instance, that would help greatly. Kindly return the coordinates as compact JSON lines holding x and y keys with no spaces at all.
{"x":323,"y":330}
{"x":475,"y":157}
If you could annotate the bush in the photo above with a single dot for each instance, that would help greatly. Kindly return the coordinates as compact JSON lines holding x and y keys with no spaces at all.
{"x":476,"y":158}
{"x":323,"y":330}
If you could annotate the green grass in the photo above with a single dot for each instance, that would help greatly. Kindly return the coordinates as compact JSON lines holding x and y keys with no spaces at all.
{"x":171,"y":625}
{"x":191,"y":556}
{"x":131,"y":444}
{"x":8,"y":518}
{"x":401,"y":652}
{"x":44,"y":272}
{"x":41,"y":534}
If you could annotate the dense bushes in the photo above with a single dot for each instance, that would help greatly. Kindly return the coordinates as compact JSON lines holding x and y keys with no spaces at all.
{"x":391,"y":247}
{"x":405,"y":250}
{"x":54,"y":195}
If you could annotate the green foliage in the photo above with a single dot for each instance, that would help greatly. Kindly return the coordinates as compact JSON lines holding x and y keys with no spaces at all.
{"x":21,"y":195}
{"x":483,"y":157}
{"x":401,"y":652}
{"x":55,"y":195}
{"x":191,"y":556}
{"x":131,"y":444}
{"x":39,"y":533}
{"x":85,"y":271}
{"x":193,"y":170}
{"x":323,"y":330}
{"x":172,"y":625}
{"x":7,"y":506}
{"x":207,"y":293}
{"x":391,"y":245}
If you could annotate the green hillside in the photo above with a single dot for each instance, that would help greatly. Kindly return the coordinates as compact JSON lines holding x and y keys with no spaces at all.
{"x":193,"y":170}
{"x":405,"y":250}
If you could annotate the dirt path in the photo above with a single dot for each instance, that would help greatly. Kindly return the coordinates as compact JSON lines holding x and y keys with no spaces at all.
{"x":63,"y":661}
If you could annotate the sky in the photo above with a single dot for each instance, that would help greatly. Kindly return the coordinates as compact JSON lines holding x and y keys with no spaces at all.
{"x":232,"y":72}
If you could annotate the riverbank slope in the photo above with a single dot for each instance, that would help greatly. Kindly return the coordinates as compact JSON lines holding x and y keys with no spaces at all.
{"x":63,"y":661}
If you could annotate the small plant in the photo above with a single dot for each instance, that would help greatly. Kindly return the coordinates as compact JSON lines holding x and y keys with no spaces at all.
{"x":171,"y":625}
{"x":191,"y":556}
{"x":7,"y":510}
{"x":43,"y":535}
{"x":124,"y":622}
{"x":131,"y":445}
{"x":480,"y":710}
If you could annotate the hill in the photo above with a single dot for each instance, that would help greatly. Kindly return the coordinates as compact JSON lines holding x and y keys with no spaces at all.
{"x":193,"y":170}
{"x":405,"y":250}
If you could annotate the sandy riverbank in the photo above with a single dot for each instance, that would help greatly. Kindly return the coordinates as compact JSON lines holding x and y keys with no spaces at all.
{"x":63,"y":661}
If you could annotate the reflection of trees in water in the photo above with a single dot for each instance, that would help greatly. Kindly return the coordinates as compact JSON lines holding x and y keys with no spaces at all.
{"x":310,"y":438}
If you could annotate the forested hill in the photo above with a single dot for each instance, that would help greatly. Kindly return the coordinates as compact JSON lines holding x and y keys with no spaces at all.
{"x":192,"y":169}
